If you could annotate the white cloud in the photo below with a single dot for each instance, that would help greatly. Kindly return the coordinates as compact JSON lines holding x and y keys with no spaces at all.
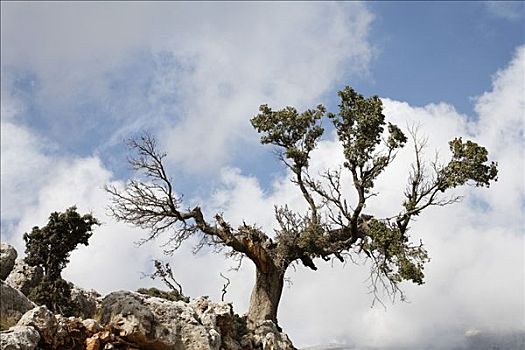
{"x":501,"y":128}
{"x":35,"y":181}
{"x":281,"y":56}
{"x":474,"y":281}
{"x":196,"y":72}
{"x":23,"y":157}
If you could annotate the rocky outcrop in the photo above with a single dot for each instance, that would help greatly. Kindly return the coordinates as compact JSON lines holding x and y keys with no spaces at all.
{"x":44,"y":321}
{"x":54,"y":331}
{"x":267,"y":337}
{"x":19,"y":338}
{"x":127,"y":320}
{"x":154,"y":323}
{"x":57,"y":331}
{"x":24,"y":277}
{"x":8,"y":257}
{"x":13,"y":305}
{"x":84,"y":301}
{"x":71,"y":333}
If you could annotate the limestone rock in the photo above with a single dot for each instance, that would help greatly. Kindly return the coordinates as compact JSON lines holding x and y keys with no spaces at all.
{"x":44,"y":321}
{"x":221,"y":318}
{"x":267,"y":337}
{"x":132,"y":321}
{"x":57,"y":331}
{"x":71,"y":334}
{"x":8,"y":256}
{"x":155,"y":323}
{"x":13,"y":305}
{"x":84,"y":301}
{"x":93,"y":343}
{"x":24,"y":277}
{"x":19,"y":338}
{"x":101,"y":340}
{"x":92,"y":325}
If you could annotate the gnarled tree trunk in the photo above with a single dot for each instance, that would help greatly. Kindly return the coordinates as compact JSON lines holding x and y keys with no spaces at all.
{"x":265,"y":296}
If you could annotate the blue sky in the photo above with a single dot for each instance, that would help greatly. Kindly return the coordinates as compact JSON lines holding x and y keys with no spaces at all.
{"x":78,"y":78}
{"x":441,"y":51}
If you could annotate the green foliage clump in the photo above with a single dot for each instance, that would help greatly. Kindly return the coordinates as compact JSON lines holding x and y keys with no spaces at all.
{"x":312,"y":239}
{"x":55,"y":294}
{"x":50,"y":247}
{"x":392,"y":254}
{"x":467,"y":163}
{"x":172,"y":295}
{"x":296,"y":133}
{"x":360,"y":125}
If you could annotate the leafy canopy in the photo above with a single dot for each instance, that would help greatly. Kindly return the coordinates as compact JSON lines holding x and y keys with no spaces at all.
{"x":332,"y":225}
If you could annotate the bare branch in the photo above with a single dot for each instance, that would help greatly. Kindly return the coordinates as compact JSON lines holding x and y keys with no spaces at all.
{"x":424,"y":189}
{"x":152,"y":204}
{"x":225,"y":286}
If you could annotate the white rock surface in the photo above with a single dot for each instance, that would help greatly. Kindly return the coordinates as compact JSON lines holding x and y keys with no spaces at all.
{"x":19,"y":338}
{"x":8,"y":257}
{"x":268,"y":337}
{"x":135,"y":321}
{"x":43,"y":320}
{"x":24,"y":277}
{"x":155,"y":323}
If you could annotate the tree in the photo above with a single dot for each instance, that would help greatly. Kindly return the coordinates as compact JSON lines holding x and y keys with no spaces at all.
{"x":332,"y":227}
{"x":50,"y":247}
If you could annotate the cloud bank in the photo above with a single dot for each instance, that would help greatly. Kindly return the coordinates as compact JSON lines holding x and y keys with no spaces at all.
{"x":193,"y":73}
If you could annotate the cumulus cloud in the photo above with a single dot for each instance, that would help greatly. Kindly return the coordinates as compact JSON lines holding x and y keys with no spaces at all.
{"x":36,"y":183}
{"x":19,"y":183}
{"x":293,"y":59}
{"x":195,"y":72}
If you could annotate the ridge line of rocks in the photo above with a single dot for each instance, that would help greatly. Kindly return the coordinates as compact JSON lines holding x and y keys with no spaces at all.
{"x":120,"y":320}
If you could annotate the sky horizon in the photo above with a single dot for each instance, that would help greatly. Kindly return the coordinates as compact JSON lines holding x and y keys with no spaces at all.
{"x":79,"y":78}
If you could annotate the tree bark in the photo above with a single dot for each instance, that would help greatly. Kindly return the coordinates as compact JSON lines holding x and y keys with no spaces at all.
{"x":265,"y":296}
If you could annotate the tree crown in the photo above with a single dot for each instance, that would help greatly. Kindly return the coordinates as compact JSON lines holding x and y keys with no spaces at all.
{"x":334,"y":226}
